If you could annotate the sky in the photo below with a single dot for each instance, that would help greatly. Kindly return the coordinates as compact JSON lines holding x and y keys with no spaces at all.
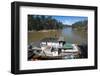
{"x":69,"y":19}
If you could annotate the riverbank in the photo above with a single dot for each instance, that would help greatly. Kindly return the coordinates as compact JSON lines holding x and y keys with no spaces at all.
{"x":50,"y":30}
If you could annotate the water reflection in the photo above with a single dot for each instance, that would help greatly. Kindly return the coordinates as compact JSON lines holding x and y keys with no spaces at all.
{"x":74,"y":36}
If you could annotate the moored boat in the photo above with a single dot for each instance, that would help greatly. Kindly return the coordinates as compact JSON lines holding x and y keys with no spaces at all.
{"x":55,"y":50}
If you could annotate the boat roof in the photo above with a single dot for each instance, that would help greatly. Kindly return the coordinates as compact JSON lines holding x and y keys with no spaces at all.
{"x":68,"y":46}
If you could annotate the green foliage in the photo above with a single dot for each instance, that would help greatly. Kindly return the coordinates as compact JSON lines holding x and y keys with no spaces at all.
{"x":80,"y":25}
{"x":37,"y":22}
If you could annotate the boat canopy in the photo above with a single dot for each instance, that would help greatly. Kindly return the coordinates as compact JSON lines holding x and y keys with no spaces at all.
{"x":68,"y":46}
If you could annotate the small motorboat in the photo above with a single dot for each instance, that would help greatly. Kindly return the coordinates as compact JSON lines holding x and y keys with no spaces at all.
{"x":55,"y":50}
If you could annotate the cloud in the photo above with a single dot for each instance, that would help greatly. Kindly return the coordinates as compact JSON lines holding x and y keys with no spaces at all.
{"x":67,"y":22}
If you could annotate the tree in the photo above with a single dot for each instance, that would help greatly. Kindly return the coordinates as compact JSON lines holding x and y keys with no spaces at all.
{"x":80,"y":25}
{"x":41,"y":22}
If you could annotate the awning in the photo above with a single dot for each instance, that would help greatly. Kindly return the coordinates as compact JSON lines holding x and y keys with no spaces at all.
{"x":68,"y":46}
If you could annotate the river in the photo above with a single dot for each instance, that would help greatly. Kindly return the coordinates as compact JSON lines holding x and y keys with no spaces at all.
{"x":70,"y":35}
{"x":74,"y":36}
